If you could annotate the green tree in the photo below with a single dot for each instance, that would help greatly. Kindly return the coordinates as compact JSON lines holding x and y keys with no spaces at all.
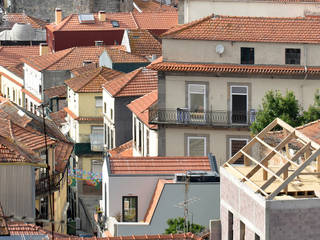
{"x":275,"y":105}
{"x":176,"y":225}
{"x":313,"y":112}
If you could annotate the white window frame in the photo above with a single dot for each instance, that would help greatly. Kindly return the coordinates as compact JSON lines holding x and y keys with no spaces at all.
{"x":98,"y":97}
{"x":246,"y":94}
{"x":196,"y":137}
{"x":230,"y":146}
{"x":204,"y":93}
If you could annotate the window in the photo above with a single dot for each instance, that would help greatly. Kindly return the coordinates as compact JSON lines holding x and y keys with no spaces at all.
{"x":19,"y":101}
{"x":105,"y":107}
{"x":197,"y":97}
{"x":242,"y":231}
{"x":235,"y":146}
{"x":111,"y":113}
{"x":111,"y":139}
{"x":108,"y":137}
{"x":44,"y":207}
{"x":8,"y":92}
{"x":96,"y":166}
{"x":197,"y":146}
{"x":26,"y":103}
{"x":134,"y":131}
{"x":13,"y":95}
{"x":115,"y":23}
{"x":105,"y":134}
{"x":31,"y":106}
{"x":130,"y":208}
{"x":239,"y":104}
{"x":247,"y":55}
{"x":140,"y":137}
{"x":230,"y":225}
{"x":256,"y":237}
{"x":98,"y":101}
{"x":292,"y":56}
{"x":147,"y":142}
{"x":40,"y":89}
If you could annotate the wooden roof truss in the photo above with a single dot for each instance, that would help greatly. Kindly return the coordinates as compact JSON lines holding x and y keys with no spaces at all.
{"x":310,"y":150}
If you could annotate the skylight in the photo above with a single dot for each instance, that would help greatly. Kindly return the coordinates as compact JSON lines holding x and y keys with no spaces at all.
{"x":86,"y":18}
{"x":115,"y":23}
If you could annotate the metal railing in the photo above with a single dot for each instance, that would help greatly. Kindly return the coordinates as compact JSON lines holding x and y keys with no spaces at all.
{"x":213,"y":118}
{"x":42,"y":184}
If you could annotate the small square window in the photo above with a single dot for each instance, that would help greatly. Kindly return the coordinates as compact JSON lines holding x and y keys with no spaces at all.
{"x":247,"y":55}
{"x":98,"y":101}
{"x":197,"y":146}
{"x":293,"y":56}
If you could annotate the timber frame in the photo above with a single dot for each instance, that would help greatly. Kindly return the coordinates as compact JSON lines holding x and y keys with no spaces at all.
{"x":310,"y":150}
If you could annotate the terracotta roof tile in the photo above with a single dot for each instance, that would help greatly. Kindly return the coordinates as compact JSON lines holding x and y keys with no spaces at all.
{"x":249,"y":29}
{"x":124,"y":150}
{"x":156,"y":20}
{"x":23,"y":18}
{"x":311,"y":130}
{"x":83,"y":69}
{"x":59,"y":117}
{"x":153,"y":6}
{"x":140,"y":107}
{"x":11,"y":55}
{"x":233,"y":68}
{"x":120,"y":56}
{"x":92,"y":81}
{"x":143,"y":43}
{"x":17,"y":70}
{"x":56,"y":91}
{"x":4,"y":231}
{"x":157,"y":165}
{"x":83,"y":119}
{"x":136,"y":83}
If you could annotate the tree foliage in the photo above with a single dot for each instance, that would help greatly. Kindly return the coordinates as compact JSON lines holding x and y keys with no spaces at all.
{"x":274,"y":105}
{"x":176,"y":225}
{"x":313,"y":112}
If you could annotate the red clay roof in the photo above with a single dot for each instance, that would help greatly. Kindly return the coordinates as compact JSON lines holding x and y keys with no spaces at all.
{"x":56,"y":91}
{"x":83,"y":69}
{"x":153,"y":6}
{"x":17,"y":70}
{"x":4,"y":231}
{"x":157,"y":165}
{"x":82,"y":119}
{"x":136,"y":83}
{"x":120,"y":56}
{"x":249,"y":29}
{"x":23,"y":18}
{"x":11,"y":55}
{"x":311,"y":130}
{"x":124,"y":150}
{"x":59,"y":117}
{"x":155,"y":199}
{"x":156,"y":20}
{"x":143,"y":43}
{"x":140,"y":107}
{"x":92,"y":81}
{"x":233,"y":68}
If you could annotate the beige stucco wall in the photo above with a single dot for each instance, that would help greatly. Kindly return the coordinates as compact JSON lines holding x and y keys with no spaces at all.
{"x":199,"y":51}
{"x":219,"y":91}
{"x":195,"y":9}
{"x":87,"y":104}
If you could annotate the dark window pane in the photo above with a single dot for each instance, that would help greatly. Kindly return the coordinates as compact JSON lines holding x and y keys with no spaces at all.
{"x":130,"y":209}
{"x":292,"y":56}
{"x":247,"y":55}
{"x":236,"y":145}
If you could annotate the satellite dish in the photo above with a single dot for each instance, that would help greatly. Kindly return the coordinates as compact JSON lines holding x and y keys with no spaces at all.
{"x":219,"y":49}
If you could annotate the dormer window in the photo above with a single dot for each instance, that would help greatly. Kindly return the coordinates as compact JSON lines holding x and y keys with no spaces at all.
{"x":293,"y":56}
{"x":247,"y":55}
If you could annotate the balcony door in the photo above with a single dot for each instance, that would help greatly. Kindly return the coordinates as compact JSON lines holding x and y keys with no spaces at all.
{"x":197,"y":101}
{"x":239,"y":104}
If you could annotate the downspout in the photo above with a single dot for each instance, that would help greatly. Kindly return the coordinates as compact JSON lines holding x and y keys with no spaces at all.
{"x":306,"y":72}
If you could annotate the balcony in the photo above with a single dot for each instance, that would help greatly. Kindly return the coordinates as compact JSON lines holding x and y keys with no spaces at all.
{"x":97,"y":142}
{"x":42,"y":184}
{"x":182,"y":116}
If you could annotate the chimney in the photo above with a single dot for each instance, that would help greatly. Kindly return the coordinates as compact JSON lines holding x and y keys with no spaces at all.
{"x":98,"y":43}
{"x":43,"y":49}
{"x":58,"y":15}
{"x":102,"y":16}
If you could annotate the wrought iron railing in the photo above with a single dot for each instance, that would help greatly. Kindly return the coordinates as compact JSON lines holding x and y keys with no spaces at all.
{"x":42,"y":184}
{"x":214,"y":118}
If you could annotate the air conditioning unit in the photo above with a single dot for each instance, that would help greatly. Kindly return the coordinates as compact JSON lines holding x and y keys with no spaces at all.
{"x":197,"y":176}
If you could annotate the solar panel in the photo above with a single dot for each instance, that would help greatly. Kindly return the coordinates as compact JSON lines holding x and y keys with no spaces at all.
{"x":115,"y":23}
{"x":86,"y":18}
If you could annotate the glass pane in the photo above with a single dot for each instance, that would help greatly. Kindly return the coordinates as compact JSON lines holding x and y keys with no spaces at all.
{"x":196,"y":147}
{"x":236,"y":145}
{"x":130,"y":209}
{"x":197,"y":102}
{"x":96,"y":166}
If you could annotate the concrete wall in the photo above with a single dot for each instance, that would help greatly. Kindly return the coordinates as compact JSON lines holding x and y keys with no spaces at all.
{"x":195,"y":9}
{"x":204,"y":207}
{"x":264,"y":53}
{"x":32,"y":80}
{"x":245,"y":205}
{"x":17,"y":190}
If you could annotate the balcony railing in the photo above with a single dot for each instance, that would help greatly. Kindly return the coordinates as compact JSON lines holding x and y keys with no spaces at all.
{"x":215,"y":118}
{"x":97,"y":142}
{"x":42,"y":184}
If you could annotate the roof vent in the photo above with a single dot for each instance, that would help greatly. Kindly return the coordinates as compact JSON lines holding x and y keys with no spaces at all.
{"x":86,"y":18}
{"x":86,"y":62}
{"x":98,"y":43}
{"x":115,"y":23}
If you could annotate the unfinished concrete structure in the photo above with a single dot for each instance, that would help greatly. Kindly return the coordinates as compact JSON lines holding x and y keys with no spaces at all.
{"x":275,"y":194}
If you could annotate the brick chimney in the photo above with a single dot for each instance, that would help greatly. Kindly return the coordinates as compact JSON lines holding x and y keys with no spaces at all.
{"x":43,"y":49}
{"x":58,"y":15}
{"x":102,"y":16}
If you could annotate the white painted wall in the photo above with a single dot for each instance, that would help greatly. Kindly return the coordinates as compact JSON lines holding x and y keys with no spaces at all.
{"x":125,"y":41}
{"x":109,"y":100}
{"x":73,"y":101}
{"x":195,"y":9}
{"x":105,"y":60}
{"x":32,"y":80}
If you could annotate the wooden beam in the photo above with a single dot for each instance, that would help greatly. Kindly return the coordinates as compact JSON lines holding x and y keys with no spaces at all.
{"x":258,"y":188}
{"x":261,"y":165}
{"x":279,"y":172}
{"x":294,"y":174}
{"x":267,"y":128}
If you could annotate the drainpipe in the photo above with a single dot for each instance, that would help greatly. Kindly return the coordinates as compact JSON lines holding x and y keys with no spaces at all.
{"x":306,"y":72}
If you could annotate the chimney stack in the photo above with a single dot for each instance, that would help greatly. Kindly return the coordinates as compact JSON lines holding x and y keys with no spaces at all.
{"x":102,"y":16}
{"x":43,"y":49}
{"x":58,"y":15}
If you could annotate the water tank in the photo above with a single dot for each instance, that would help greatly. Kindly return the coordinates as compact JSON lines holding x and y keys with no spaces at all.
{"x":22,"y":32}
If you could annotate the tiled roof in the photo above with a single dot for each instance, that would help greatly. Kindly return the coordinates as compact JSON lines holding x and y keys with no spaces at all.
{"x":140,"y":107}
{"x":153,"y":6}
{"x":136,"y":83}
{"x":4,"y":231}
{"x":155,"y":199}
{"x":59,"y":117}
{"x":124,"y":150}
{"x":311,"y":130}
{"x":132,"y":20}
{"x":83,"y":119}
{"x":56,"y":91}
{"x":143,"y":43}
{"x":31,"y":95}
{"x":120,"y":56}
{"x":249,"y":29}
{"x":23,"y":18}
{"x":11,"y":55}
{"x":92,"y":81}
{"x":83,"y":69}
{"x":157,"y":165}
{"x":234,"y":68}
{"x":17,"y":70}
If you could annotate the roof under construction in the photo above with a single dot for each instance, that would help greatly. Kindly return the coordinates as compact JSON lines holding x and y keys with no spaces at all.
{"x":278,"y":170}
